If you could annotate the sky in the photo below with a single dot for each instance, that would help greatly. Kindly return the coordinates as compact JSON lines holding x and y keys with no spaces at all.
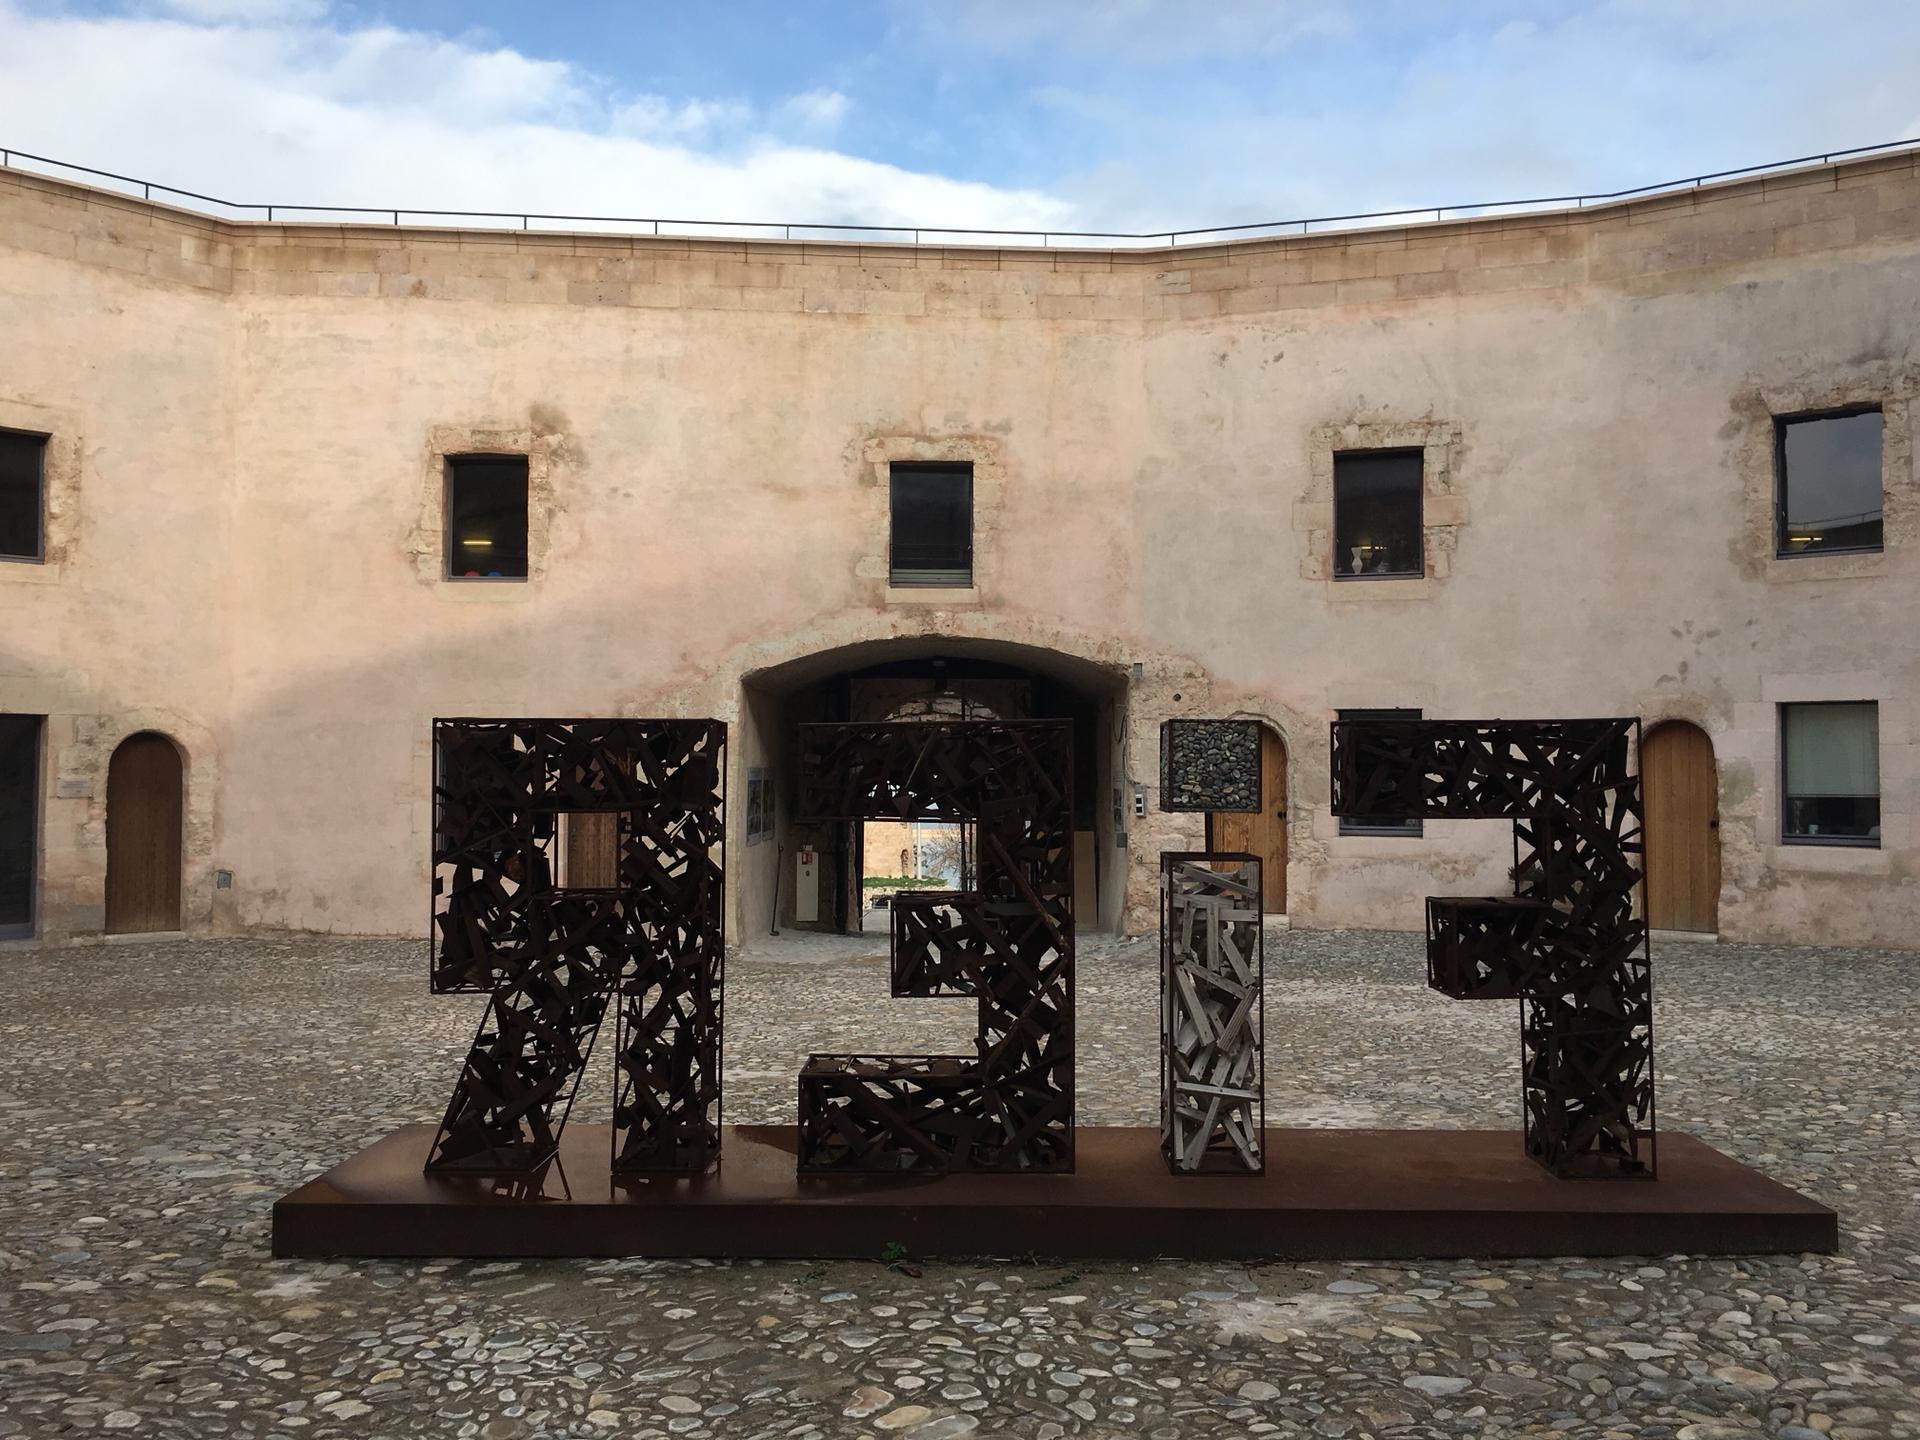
{"x":1033,"y":114}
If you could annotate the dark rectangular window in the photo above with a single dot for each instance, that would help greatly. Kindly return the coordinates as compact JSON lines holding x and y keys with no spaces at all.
{"x":1828,"y":469}
{"x":487,"y":517}
{"x":19,"y":822}
{"x":1376,"y":514}
{"x":1377,"y":825}
{"x":1830,"y":773}
{"x":932,"y":530}
{"x":23,"y":468}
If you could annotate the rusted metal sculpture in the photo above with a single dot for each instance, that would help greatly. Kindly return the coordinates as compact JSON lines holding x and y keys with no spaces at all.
{"x":576,"y":861}
{"x":1212,"y":1021}
{"x":1009,"y":1106}
{"x":1567,"y":944}
{"x":1211,"y":765}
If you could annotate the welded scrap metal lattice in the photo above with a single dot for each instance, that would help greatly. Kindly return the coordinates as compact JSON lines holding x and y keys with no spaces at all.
{"x":1008,"y":1107}
{"x":576,"y":861}
{"x":1211,"y":1015}
{"x":1568,"y":943}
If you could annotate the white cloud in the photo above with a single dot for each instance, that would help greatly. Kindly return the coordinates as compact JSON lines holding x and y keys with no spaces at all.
{"x":288,"y":110}
{"x":1469,"y":102}
{"x":654,"y":117}
{"x":245,"y":12}
{"x":820,"y":111}
{"x":1150,"y":29}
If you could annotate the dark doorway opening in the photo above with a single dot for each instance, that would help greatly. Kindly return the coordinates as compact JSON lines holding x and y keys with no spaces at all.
{"x":19,"y":823}
{"x":819,"y":869}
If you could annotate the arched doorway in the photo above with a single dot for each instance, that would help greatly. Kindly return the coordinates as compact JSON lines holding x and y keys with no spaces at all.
{"x":810,"y":877}
{"x":1263,"y":832}
{"x":1683,"y":827}
{"x":144,"y":817}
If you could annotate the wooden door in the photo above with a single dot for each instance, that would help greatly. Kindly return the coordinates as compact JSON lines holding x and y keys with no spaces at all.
{"x":589,"y":850}
{"x":1264,"y":833}
{"x":144,"y":814}
{"x":1683,"y":828}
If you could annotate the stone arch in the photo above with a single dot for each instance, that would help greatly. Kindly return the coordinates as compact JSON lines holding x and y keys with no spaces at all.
{"x":96,"y":741}
{"x":1008,"y":677}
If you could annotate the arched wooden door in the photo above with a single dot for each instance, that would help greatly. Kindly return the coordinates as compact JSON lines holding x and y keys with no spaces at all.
{"x":1263,"y":833}
{"x":144,"y":813}
{"x":1683,"y":828}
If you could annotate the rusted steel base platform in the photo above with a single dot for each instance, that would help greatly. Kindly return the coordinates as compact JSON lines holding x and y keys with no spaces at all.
{"x":1327,"y":1194}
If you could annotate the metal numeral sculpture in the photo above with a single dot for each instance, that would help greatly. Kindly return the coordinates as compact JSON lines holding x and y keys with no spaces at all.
{"x":1210,"y":765}
{"x":1212,"y":1021}
{"x":1567,"y":943}
{"x":1009,"y":942}
{"x":576,"y":861}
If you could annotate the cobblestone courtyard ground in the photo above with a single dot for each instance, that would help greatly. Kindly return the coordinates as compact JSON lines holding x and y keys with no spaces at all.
{"x":154,"y":1101}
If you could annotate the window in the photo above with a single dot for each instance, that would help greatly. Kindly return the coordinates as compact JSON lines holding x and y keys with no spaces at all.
{"x":487,"y":517}
{"x":1375,"y":825}
{"x":932,"y":534}
{"x":1376,"y":515}
{"x":1828,"y":469}
{"x":19,"y":822}
{"x":1830,"y":774}
{"x":23,"y":464}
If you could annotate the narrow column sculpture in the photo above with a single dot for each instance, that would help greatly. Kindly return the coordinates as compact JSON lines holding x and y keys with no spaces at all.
{"x":1212,"y":1032}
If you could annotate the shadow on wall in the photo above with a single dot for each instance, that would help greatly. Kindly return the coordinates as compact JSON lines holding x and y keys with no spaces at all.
{"x":325,"y":783}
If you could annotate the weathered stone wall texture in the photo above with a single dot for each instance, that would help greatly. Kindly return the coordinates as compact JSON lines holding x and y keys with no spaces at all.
{"x":254,"y":417}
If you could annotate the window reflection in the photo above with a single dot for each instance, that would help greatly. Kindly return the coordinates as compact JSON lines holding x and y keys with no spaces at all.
{"x":1829,"y":477}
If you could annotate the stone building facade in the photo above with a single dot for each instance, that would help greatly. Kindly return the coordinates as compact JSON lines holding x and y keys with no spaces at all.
{"x":247,"y":430}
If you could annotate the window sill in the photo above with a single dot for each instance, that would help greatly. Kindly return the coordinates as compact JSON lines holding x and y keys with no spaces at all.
{"x":481,"y":590}
{"x":30,"y":570}
{"x":1825,"y":551}
{"x":1365,"y":589}
{"x":946,"y":595}
{"x":1377,"y":846}
{"x":1830,"y":859}
{"x":1826,"y":565}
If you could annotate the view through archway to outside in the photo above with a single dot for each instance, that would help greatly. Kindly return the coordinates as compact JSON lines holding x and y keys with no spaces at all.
{"x":897,"y":855}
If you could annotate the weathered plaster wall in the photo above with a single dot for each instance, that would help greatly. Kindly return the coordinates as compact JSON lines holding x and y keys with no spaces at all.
{"x":260,"y":409}
{"x":125,"y":627}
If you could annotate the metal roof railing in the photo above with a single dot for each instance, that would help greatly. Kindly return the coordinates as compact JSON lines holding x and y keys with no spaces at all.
{"x":788,"y":230}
